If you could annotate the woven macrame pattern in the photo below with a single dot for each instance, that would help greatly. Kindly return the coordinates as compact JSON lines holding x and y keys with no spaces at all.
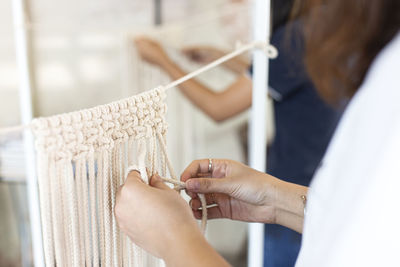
{"x":74,"y":134}
{"x":81,"y":161}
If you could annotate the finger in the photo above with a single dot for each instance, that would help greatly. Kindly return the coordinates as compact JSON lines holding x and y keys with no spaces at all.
{"x":197,"y":166}
{"x":134,"y":175}
{"x":133,"y":184}
{"x":210,"y":185}
{"x":195,"y":204}
{"x":156,"y":182}
{"x":211,"y":199}
{"x":139,"y":40}
{"x":212,"y":213}
{"x":190,"y":194}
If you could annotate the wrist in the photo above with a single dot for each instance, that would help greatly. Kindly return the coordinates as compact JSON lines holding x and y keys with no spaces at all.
{"x":191,"y":249}
{"x":165,"y":62}
{"x":178,"y":242}
{"x":287,"y":203}
{"x":288,"y":198}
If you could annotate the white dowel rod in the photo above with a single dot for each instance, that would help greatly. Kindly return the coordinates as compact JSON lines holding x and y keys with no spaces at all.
{"x":25,"y":96}
{"x":258,"y":131}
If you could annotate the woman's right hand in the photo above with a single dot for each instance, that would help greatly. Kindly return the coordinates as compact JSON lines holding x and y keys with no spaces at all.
{"x":151,"y":51}
{"x":239,"y":192}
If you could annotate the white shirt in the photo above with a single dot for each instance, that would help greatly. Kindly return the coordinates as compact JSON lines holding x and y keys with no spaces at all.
{"x":353,"y":209}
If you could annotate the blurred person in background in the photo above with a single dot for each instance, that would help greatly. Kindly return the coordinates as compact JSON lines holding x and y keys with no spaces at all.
{"x":304,"y":123}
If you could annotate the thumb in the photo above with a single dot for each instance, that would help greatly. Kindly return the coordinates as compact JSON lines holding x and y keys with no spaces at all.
{"x":155,"y":181}
{"x":210,"y":185}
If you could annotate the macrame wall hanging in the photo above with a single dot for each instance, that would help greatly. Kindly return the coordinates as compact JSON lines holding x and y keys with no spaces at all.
{"x":81,"y":159}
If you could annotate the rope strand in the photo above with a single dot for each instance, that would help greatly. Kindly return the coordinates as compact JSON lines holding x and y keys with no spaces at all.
{"x":270,"y":50}
{"x":180,"y":185}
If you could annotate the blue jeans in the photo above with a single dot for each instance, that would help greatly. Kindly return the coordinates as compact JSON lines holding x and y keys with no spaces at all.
{"x":281,"y":246}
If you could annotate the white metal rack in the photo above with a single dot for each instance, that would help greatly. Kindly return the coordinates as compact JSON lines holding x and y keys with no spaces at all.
{"x":257,"y":136}
{"x":25,"y":95}
{"x":258,"y":131}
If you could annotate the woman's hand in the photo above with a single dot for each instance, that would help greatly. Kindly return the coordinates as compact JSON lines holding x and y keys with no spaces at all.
{"x":152,"y":215}
{"x":158,"y":219}
{"x":202,"y":54}
{"x":239,"y":192}
{"x":151,"y":51}
{"x":242,"y":193}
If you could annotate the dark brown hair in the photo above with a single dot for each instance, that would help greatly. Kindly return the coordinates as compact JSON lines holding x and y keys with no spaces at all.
{"x":342,"y":37}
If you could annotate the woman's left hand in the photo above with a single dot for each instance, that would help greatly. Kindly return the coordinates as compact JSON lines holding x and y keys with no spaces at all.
{"x":155,"y":217}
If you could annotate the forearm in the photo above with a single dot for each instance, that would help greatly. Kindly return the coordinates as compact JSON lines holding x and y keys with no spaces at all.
{"x":289,"y":220}
{"x":218,"y":106}
{"x":238,"y":65}
{"x":193,"y":250}
{"x":286,"y":200}
{"x":289,"y":204}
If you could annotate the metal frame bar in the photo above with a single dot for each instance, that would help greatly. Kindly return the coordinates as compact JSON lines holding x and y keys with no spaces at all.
{"x":258,"y":131}
{"x":26,"y":106}
{"x":157,"y":12}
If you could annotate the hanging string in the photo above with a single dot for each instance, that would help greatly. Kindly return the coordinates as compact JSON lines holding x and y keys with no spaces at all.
{"x":270,"y":50}
{"x":181,"y":185}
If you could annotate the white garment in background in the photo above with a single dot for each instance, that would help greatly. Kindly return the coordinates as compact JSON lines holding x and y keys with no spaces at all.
{"x":353,"y":210}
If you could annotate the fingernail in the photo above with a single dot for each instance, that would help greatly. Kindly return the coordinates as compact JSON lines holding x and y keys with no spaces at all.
{"x":192,"y":184}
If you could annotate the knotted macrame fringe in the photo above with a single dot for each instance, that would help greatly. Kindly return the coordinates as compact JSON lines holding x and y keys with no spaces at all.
{"x":181,"y":186}
{"x":81,"y":162}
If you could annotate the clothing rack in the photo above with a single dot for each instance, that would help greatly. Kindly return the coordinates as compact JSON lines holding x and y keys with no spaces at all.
{"x":257,"y":136}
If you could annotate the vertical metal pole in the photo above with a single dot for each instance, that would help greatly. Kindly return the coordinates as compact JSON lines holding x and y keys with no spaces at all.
{"x":257,"y":136}
{"x":25,"y":91}
{"x":157,"y":12}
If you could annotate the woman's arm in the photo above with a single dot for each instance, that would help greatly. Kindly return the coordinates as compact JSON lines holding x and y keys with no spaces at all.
{"x":193,"y":251}
{"x":207,"y":54}
{"x":217,"y":105}
{"x":242,"y":193}
{"x":290,"y":205}
{"x":157,"y":219}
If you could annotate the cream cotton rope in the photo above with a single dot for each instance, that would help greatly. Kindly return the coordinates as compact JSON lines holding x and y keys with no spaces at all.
{"x":81,"y":156}
{"x":178,"y":184}
{"x":269,"y":49}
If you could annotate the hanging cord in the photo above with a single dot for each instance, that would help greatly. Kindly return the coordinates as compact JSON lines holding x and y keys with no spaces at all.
{"x":181,"y":185}
{"x":178,"y":185}
{"x":270,"y":50}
